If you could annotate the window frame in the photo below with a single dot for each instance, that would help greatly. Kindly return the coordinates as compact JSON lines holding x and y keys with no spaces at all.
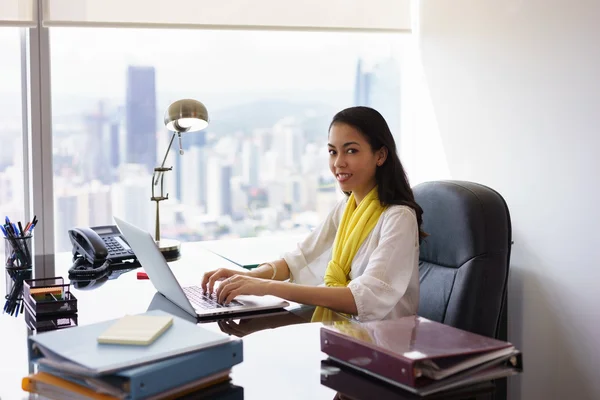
{"x":37,"y":124}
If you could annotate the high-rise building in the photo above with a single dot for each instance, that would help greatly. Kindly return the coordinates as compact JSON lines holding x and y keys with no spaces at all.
{"x":97,"y":144}
{"x":361,"y":85}
{"x":193,"y":176}
{"x":141,"y":116}
{"x":309,"y":184}
{"x":94,"y":205}
{"x":131,"y":197}
{"x":379,"y":88}
{"x":219,"y":187}
{"x":239,"y":196}
{"x":115,"y":143}
{"x":190,"y":169}
{"x":288,"y":144}
{"x":250,"y":159}
{"x":65,"y":213}
{"x":293,"y":192}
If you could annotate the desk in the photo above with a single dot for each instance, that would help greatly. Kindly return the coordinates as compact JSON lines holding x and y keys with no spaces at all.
{"x":250,"y":252}
{"x":282,"y":363}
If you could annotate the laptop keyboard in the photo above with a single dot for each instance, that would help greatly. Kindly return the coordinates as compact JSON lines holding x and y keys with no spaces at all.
{"x":198,"y":298}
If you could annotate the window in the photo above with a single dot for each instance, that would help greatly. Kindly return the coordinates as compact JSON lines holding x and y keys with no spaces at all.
{"x":261,"y":166}
{"x":11,"y":127}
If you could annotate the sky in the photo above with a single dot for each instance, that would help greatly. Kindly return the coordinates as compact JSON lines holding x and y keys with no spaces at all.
{"x":94,"y":60}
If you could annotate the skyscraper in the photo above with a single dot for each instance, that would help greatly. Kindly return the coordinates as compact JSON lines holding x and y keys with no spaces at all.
{"x":379,"y":88}
{"x":193,"y":176}
{"x":97,"y":145}
{"x":219,"y":187}
{"x":65,"y":212}
{"x":141,"y":116}
{"x":114,"y":145}
{"x":130,"y":197}
{"x":190,"y":169}
{"x":250,"y":162}
{"x":361,"y":85}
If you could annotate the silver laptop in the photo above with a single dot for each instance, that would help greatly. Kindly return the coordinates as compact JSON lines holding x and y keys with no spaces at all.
{"x":190,"y":299}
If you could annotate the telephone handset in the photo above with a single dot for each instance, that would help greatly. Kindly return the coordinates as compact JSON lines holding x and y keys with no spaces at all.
{"x":100,"y":244}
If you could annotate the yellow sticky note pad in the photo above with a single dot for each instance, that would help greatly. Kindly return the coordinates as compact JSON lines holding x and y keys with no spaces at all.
{"x":140,"y":330}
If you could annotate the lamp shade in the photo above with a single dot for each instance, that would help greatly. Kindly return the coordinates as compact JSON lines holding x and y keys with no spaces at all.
{"x":186,"y":115}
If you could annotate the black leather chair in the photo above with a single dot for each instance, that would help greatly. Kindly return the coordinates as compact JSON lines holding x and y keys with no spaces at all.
{"x":465,"y":259}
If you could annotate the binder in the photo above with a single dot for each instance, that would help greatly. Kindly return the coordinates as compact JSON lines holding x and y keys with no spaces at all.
{"x":76,"y":351}
{"x":359,"y":386}
{"x":55,"y":387}
{"x":419,"y":355}
{"x":152,"y":379}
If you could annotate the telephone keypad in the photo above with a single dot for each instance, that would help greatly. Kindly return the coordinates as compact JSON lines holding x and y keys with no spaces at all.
{"x":115,"y":248}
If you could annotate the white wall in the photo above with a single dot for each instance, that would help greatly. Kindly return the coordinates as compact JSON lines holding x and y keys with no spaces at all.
{"x":515,"y":93}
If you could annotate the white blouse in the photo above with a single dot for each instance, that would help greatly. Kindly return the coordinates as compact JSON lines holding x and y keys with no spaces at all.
{"x":385,"y":271}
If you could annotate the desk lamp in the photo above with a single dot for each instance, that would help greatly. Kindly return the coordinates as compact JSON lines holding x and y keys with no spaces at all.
{"x":182,"y":116}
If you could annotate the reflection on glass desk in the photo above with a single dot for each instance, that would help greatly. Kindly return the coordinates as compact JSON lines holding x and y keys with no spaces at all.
{"x":282,"y":357}
{"x":354,"y":385}
{"x":223,"y":391}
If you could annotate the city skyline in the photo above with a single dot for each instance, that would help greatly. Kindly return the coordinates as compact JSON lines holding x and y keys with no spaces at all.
{"x":259,"y":168}
{"x":217,"y":67}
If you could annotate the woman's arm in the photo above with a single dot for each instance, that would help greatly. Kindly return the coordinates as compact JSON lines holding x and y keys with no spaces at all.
{"x":336,"y":298}
{"x":265,"y":271}
{"x":306,"y":264}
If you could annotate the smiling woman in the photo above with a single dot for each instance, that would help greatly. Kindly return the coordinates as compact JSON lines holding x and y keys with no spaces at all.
{"x":352,"y":160}
{"x":363,"y":259}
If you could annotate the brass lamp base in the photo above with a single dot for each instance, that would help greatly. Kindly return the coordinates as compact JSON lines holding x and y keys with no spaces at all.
{"x":170,"y":249}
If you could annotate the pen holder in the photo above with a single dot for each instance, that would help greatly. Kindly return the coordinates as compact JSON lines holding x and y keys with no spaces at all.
{"x":18,"y":268}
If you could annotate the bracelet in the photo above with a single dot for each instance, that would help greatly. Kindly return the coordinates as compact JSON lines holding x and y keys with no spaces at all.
{"x":274,"y":269}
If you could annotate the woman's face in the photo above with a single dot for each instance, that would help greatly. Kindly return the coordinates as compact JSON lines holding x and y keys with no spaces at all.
{"x":352,"y":161}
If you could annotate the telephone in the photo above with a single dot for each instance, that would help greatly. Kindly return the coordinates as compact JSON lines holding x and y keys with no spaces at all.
{"x":100,"y":245}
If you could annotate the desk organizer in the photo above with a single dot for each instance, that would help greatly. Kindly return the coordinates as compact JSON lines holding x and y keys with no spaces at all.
{"x":51,"y":323}
{"x":49,"y":296}
{"x":49,"y":304}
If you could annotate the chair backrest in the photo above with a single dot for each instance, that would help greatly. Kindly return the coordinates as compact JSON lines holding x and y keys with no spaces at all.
{"x":463,"y":263}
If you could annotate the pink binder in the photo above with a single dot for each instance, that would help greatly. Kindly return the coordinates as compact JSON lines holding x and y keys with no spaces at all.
{"x":419,"y":355}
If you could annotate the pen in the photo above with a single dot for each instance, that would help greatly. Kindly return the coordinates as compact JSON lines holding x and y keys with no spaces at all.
{"x":21,"y":229}
{"x":3,"y":231}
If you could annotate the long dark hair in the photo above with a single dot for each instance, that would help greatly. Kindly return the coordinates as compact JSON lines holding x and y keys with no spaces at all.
{"x":393,"y":187}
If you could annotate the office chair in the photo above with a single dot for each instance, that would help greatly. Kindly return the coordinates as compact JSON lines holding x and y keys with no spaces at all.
{"x":464,"y":262}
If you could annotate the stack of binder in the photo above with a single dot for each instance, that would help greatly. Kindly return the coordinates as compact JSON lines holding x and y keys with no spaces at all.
{"x":419,"y":356}
{"x":186,"y":358}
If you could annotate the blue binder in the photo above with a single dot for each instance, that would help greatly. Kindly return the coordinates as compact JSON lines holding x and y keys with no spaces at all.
{"x":152,"y":379}
{"x":76,"y":350}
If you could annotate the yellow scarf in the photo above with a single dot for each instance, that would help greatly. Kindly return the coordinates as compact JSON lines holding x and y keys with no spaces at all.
{"x":357,"y":222}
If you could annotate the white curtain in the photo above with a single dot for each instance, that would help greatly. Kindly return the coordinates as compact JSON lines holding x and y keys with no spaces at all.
{"x":367,"y":15}
{"x":17,"y":13}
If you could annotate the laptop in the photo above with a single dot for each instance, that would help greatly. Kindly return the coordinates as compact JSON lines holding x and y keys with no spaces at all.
{"x":190,"y":298}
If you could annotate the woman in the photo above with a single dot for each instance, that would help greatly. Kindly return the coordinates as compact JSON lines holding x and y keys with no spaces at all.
{"x":366,"y":251}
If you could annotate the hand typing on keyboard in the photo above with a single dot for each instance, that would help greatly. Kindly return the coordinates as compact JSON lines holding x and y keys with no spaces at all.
{"x":211,"y":278}
{"x":233,"y":284}
{"x":199,"y":298}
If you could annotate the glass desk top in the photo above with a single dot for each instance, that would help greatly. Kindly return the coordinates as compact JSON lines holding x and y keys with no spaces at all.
{"x":282,"y":357}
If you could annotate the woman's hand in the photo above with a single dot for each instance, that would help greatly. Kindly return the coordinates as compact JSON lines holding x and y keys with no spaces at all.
{"x":241,"y":284}
{"x":210,"y":278}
